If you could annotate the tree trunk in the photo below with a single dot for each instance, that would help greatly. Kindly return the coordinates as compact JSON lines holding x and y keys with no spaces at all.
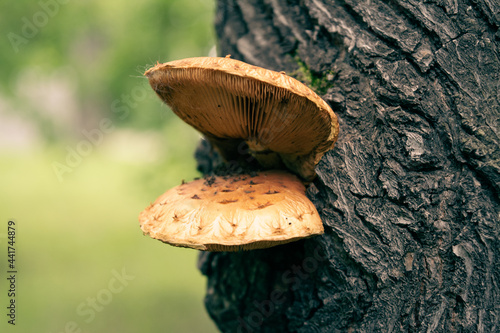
{"x":409,"y":196}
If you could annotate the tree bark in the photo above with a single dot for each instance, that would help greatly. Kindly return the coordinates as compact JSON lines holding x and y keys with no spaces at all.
{"x":409,"y":196}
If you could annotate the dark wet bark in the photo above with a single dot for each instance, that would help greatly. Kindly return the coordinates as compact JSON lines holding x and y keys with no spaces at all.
{"x":410,"y":194}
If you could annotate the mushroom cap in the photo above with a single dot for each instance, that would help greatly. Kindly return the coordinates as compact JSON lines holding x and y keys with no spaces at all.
{"x":229,"y":101}
{"x":232,"y":213}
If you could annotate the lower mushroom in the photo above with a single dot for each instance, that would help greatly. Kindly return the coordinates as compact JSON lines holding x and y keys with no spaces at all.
{"x":232,"y":213}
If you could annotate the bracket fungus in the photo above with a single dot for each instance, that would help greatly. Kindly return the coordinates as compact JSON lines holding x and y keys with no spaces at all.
{"x":282,"y":124}
{"x":230,"y":213}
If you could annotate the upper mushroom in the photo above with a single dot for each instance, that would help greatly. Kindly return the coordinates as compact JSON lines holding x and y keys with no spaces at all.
{"x":282,"y":121}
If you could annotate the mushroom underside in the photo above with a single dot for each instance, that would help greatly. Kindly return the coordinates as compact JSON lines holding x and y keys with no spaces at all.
{"x":282,"y":122}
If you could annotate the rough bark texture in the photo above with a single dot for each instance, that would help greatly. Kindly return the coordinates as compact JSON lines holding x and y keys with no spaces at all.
{"x":410,"y":194}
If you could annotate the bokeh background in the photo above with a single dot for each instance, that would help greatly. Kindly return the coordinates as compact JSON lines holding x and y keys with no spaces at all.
{"x":85,"y":146}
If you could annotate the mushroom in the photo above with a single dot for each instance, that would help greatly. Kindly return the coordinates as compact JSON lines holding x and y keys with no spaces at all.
{"x":283,"y":122}
{"x":237,"y":106}
{"x":231,"y":213}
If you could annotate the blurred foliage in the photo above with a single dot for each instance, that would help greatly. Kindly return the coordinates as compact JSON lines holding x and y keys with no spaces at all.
{"x":103,"y":46}
{"x":67,"y":66}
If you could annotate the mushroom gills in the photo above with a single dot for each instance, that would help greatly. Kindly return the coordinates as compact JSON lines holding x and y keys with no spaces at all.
{"x":230,"y":101}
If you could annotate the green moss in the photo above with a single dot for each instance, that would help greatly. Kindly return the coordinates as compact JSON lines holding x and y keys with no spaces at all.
{"x":319,"y":82}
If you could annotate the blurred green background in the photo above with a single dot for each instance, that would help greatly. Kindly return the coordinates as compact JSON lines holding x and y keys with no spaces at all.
{"x":85,"y":146}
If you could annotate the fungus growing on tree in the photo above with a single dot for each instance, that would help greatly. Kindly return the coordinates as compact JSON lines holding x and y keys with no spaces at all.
{"x":283,"y":122}
{"x":231,"y":213}
{"x":241,"y":108}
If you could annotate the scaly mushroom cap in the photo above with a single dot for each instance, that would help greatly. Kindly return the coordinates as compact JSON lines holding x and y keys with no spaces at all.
{"x":233,"y":213}
{"x":229,"y":101}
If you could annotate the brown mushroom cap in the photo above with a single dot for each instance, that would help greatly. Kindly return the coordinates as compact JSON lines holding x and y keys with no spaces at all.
{"x":233,"y":213}
{"x":229,"y":101}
